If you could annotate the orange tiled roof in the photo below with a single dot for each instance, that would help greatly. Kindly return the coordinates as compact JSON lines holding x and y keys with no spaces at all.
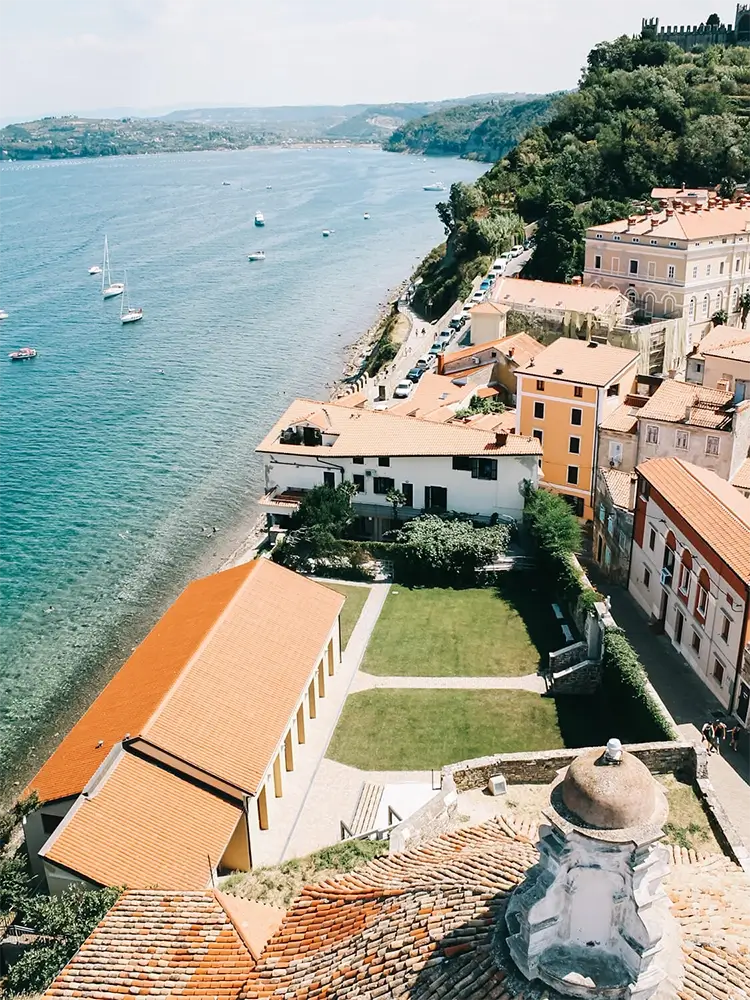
{"x":144,"y":827}
{"x":711,"y":506}
{"x":525,"y":293}
{"x":522,"y":345}
{"x":581,"y":361}
{"x":139,"y":686}
{"x":214,"y":683}
{"x":741,"y":478}
{"x":618,"y":484}
{"x":685,"y":403}
{"x":624,"y":419}
{"x":729,"y":342}
{"x":685,"y":223}
{"x":159,"y":944}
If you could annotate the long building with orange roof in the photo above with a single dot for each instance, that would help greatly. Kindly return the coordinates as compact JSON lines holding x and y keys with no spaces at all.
{"x":172,"y":773}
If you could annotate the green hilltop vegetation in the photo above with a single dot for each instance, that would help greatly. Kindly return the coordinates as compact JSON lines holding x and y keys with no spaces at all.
{"x":481,"y":131}
{"x":646,"y":114}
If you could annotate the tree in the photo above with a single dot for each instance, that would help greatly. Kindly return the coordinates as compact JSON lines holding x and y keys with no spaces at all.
{"x":727,"y":187}
{"x":551,"y":523}
{"x":558,"y":253}
{"x":396,"y":499}
{"x":481,"y":404}
{"x":713,"y":21}
{"x":326,"y":507}
{"x":439,"y":551}
{"x":744,"y":306}
{"x":720,"y":317}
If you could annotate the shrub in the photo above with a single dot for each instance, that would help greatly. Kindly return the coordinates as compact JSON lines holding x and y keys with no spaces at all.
{"x":436,"y":551}
{"x":551,"y":523}
{"x":625,"y":684}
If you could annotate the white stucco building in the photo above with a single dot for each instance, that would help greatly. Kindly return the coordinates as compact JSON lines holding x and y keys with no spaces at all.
{"x":439,"y":467}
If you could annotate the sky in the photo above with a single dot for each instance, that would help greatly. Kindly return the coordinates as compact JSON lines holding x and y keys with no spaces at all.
{"x":152,"y":56}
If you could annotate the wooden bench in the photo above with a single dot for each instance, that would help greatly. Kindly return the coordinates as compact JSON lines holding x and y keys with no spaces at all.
{"x":366,"y":810}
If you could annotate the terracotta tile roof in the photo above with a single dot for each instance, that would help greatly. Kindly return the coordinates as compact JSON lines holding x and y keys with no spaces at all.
{"x":380,"y":432}
{"x":496,"y":422}
{"x":581,"y":361}
{"x":486,"y":392}
{"x":134,"y":693}
{"x":685,"y":403}
{"x":552,"y":295}
{"x":681,"y":192}
{"x":686,"y":224}
{"x":713,"y":508}
{"x":480,"y":351}
{"x":232,"y":625}
{"x":522,"y":345}
{"x":618,"y":485}
{"x":421,"y":924}
{"x":163,"y":944}
{"x":730,"y":342}
{"x":488,"y":309}
{"x":432,"y":391}
{"x":623,"y":419}
{"x":741,"y":478}
{"x":144,"y":827}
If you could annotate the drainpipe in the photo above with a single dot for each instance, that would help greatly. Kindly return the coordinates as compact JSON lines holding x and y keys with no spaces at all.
{"x":330,"y":465}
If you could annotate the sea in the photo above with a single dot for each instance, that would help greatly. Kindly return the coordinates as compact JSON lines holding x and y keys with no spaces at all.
{"x":127,"y":462}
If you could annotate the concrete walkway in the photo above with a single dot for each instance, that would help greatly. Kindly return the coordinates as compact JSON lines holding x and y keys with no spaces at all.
{"x":296,"y":808}
{"x":528,"y":682}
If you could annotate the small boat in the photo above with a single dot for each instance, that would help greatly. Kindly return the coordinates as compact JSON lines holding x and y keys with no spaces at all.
{"x":109,"y":288}
{"x":95,"y":269}
{"x":256,"y":255}
{"x":225,"y":184}
{"x":259,"y":220}
{"x":433,"y":171}
{"x":127,"y":313}
{"x":366,"y":215}
{"x":435,"y":186}
{"x":3,"y":314}
{"x":327,"y":232}
{"x":269,"y":187}
{"x":25,"y":354}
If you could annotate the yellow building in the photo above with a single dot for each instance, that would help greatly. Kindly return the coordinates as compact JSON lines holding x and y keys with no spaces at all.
{"x":563,"y":395}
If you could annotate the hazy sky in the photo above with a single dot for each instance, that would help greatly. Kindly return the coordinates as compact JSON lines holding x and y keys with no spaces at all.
{"x":73,"y":56}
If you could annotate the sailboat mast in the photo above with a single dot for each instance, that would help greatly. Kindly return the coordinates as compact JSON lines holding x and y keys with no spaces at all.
{"x":125,"y":301}
{"x":105,"y":267}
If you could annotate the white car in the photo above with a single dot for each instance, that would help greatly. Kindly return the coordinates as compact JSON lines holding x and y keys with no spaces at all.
{"x":517,"y":250}
{"x":425,"y":362}
{"x":403,"y":390}
{"x":477,"y":297}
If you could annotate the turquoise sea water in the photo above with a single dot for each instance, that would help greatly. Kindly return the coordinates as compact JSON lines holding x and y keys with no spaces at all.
{"x":114,"y":473}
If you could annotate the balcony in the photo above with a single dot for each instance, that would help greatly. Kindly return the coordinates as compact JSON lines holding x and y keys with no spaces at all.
{"x":285,"y":501}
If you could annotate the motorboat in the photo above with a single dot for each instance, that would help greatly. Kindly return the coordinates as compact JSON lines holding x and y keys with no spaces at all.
{"x":435,"y":186}
{"x":109,"y":288}
{"x":3,"y":314}
{"x":366,"y":215}
{"x":259,"y":220}
{"x":327,"y":232}
{"x":269,"y":187}
{"x":256,"y":255}
{"x":24,"y":354}
{"x":95,"y":269}
{"x":225,"y":184}
{"x":128,"y":314}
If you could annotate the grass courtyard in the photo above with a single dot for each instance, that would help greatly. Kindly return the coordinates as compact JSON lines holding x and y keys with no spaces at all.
{"x":415,"y":730}
{"x":355,"y":601}
{"x":489,"y":632}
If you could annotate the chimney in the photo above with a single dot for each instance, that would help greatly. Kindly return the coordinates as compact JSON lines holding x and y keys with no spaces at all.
{"x":501,"y":439}
{"x":511,"y":351}
{"x":654,"y":222}
{"x":633,"y":492}
{"x":670,"y":213}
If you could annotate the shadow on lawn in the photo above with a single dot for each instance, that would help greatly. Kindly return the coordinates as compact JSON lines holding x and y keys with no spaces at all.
{"x":533,"y":602}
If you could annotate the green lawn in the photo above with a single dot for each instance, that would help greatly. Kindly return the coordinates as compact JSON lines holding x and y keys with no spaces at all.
{"x":462,"y":633}
{"x":415,"y":730}
{"x":355,"y":600}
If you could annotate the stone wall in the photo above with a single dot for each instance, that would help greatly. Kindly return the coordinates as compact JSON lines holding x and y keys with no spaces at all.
{"x":580,"y":678}
{"x":541,"y":767}
{"x":431,"y":820}
{"x":568,"y":656}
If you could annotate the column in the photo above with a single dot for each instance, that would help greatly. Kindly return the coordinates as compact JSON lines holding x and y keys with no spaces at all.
{"x":277,"y":790}
{"x":311,"y":698}
{"x":288,"y":752}
{"x":301,"y":723}
{"x":263,"y":809}
{"x":330,"y":658}
{"x":321,"y":680}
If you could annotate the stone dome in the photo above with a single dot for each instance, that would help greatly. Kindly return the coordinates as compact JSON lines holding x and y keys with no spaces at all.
{"x":609,"y":796}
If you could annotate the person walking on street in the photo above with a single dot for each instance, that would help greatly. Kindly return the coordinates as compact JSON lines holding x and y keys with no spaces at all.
{"x":708,"y":734}
{"x":734,"y":734}
{"x":720,"y":733}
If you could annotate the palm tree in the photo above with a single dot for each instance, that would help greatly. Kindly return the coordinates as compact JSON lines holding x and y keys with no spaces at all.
{"x":744,"y":307}
{"x":397,"y":499}
{"x":720,"y":317}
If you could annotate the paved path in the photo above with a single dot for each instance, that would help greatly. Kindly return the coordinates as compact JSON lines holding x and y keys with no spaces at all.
{"x":690,"y":704}
{"x":528,"y":682}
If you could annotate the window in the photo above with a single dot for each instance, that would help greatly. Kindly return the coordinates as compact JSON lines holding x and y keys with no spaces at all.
{"x":329,"y":479}
{"x":613,"y":390}
{"x":615,"y":263}
{"x":576,"y":417}
{"x":435,"y":498}
{"x":359,"y":482}
{"x":633,"y":267}
{"x":597,"y":261}
{"x":461,"y":463}
{"x":50,"y":823}
{"x":737,"y":264}
{"x":712,"y":445}
{"x":539,"y":411}
{"x":691,"y":309}
{"x":652,"y":539}
{"x":651,"y":269}
{"x":679,"y":622}
{"x":381,"y":484}
{"x":726,"y":624}
{"x":358,"y":460}
{"x":408,"y":490}
{"x":311,"y":436}
{"x":652,"y":434}
{"x":578,"y":391}
{"x":537,"y":434}
{"x":670,"y":271}
{"x":599,"y":236}
{"x":721,"y":267}
{"x":673,"y":243}
{"x":384,"y":461}
{"x":684,"y":582}
{"x":539,"y":385}
{"x":708,"y":270}
{"x":706,"y":303}
{"x":695,"y":642}
{"x":681,"y":440}
{"x":654,"y":243}
{"x":574,"y":446}
{"x":695,"y":271}
{"x":484,"y":468}
{"x":646,"y":578}
{"x":701,"y":605}
{"x":718,"y":671}
{"x":617,"y":238}
{"x":573,"y":475}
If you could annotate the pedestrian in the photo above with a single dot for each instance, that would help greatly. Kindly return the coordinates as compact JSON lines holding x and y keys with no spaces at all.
{"x":707,"y":733}
{"x":720,"y":730}
{"x":734,"y":734}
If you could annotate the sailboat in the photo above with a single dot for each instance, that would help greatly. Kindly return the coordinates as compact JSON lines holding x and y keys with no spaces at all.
{"x":109,"y":288}
{"x":127,"y":313}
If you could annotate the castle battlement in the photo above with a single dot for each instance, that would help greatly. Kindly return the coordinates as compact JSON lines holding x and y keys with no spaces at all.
{"x":707,"y":33}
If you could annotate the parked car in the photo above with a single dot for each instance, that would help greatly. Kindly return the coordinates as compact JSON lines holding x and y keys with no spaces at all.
{"x":517,"y":250}
{"x":437,"y":348}
{"x":477,"y":297}
{"x":457,"y":321}
{"x":445,"y":337}
{"x":425,"y":362}
{"x":498,"y":267}
{"x":485,"y":286}
{"x":403,"y":390}
{"x":415,"y":374}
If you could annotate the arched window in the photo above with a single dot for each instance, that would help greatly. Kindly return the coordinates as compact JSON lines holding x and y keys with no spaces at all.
{"x":706,"y":304}
{"x":649,"y":302}
{"x":701,"y":599}
{"x":632,"y":295}
{"x":670,"y":544}
{"x":669,"y":305}
{"x":686,"y":565}
{"x":691,"y":309}
{"x":719,"y":301}
{"x":735,"y":300}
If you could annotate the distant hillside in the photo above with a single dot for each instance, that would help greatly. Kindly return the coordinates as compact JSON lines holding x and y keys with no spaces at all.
{"x":60,"y":138}
{"x":482,"y":131}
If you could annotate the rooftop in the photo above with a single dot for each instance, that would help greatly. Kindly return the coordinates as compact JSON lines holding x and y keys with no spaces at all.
{"x":220,"y":662}
{"x":692,"y":222}
{"x":685,"y":403}
{"x":150,"y":940}
{"x":623,"y":419}
{"x":618,"y":486}
{"x":380,"y":432}
{"x":580,"y":361}
{"x":717,"y":511}
{"x":741,"y":478}
{"x":514,"y":292}
{"x":519,"y":348}
{"x":729,"y":342}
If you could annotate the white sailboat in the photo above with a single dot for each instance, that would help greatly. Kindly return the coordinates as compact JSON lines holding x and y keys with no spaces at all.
{"x":127,"y":313}
{"x":109,"y":288}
